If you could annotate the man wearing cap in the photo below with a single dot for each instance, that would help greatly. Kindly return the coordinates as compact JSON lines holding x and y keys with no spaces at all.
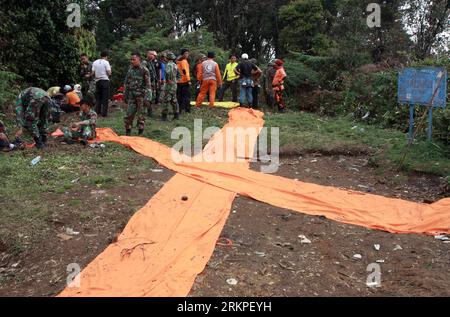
{"x":245,"y":71}
{"x":256,"y":76}
{"x":210,"y":78}
{"x":32,"y":114}
{"x":278,"y":85}
{"x":169,"y":91}
{"x":197,"y":71}
{"x":152,"y":64}
{"x":86,"y":76}
{"x":269,"y":75}
{"x":184,"y":84}
{"x":137,"y":87}
{"x":230,"y":79}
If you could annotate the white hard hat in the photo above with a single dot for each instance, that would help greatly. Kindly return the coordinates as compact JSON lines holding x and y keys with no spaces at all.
{"x":244,"y":56}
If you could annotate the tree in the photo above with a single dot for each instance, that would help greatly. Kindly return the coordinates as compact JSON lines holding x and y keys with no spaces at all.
{"x":117,"y":19}
{"x":302,"y":21}
{"x":427,"y":22}
{"x":36,"y":42}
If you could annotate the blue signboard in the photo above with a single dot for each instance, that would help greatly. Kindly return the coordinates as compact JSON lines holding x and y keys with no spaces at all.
{"x":426,"y":86}
{"x":417,"y":86}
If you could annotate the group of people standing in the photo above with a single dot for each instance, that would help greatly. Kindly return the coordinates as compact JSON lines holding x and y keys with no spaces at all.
{"x":166,"y":81}
{"x":244,"y":79}
{"x":163,"y":81}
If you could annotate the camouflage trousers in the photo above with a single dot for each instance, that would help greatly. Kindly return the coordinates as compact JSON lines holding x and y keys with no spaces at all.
{"x":150,"y":100}
{"x":135,"y":109}
{"x":84,"y":133}
{"x":37,"y":129}
{"x":169,"y":98}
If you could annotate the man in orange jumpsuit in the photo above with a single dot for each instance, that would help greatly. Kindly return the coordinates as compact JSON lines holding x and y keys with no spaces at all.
{"x":211,"y":79}
{"x":278,"y":85}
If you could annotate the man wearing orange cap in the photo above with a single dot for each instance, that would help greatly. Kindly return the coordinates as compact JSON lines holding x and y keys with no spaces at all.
{"x":278,"y":84}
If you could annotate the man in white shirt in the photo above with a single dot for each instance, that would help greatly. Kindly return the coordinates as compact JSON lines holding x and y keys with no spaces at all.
{"x":102,"y":70}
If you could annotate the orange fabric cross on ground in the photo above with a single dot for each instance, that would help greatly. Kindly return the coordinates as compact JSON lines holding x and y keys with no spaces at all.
{"x":169,"y":241}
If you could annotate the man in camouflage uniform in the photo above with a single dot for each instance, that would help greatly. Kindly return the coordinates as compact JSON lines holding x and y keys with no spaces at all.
{"x":32,"y":114}
{"x":152,"y":65}
{"x":269,"y":75}
{"x":87,"y":80}
{"x":169,"y":90}
{"x":137,"y":89}
{"x":86,"y":128}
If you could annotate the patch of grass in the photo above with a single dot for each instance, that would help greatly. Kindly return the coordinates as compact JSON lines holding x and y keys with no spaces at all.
{"x":75,"y":203}
{"x":160,"y":131}
{"x":27,"y":192}
{"x":100,"y":181}
{"x":85,"y":216}
{"x":310,"y":132}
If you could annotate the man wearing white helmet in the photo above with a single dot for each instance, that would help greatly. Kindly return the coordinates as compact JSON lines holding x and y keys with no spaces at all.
{"x":245,"y":71}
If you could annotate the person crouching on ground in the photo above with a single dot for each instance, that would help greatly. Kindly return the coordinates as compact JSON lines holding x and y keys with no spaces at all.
{"x":278,"y":85}
{"x":5,"y":144}
{"x":73,"y":100}
{"x":211,"y":79}
{"x":32,"y":113}
{"x":84,"y":130}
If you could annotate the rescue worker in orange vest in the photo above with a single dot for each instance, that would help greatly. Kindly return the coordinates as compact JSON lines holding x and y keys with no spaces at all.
{"x":184,"y":85}
{"x":211,"y":79}
{"x":278,"y":85}
{"x":197,"y":71}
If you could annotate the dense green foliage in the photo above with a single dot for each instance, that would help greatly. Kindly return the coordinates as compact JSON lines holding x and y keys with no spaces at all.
{"x":199,"y":42}
{"x":336,"y":64}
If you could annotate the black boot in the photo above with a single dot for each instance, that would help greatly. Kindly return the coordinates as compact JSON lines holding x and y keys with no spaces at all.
{"x":176,"y":116}
{"x":69,"y":141}
{"x":84,"y":142}
{"x":164,"y":117}
{"x":39,"y":144}
{"x":141,"y":132}
{"x":44,"y":138}
{"x":128,"y":132}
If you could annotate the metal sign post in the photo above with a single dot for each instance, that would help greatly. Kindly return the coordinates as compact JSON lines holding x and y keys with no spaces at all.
{"x":425,"y":86}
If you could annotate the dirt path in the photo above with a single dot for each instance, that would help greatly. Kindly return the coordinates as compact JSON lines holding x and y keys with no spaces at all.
{"x":266,"y":258}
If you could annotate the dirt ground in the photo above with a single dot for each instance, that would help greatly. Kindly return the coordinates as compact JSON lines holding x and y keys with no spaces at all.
{"x":266,"y":257}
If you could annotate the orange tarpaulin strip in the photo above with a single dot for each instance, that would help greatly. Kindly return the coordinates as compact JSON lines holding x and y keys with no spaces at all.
{"x":168,"y":242}
{"x":351,"y":207}
{"x":164,"y":247}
